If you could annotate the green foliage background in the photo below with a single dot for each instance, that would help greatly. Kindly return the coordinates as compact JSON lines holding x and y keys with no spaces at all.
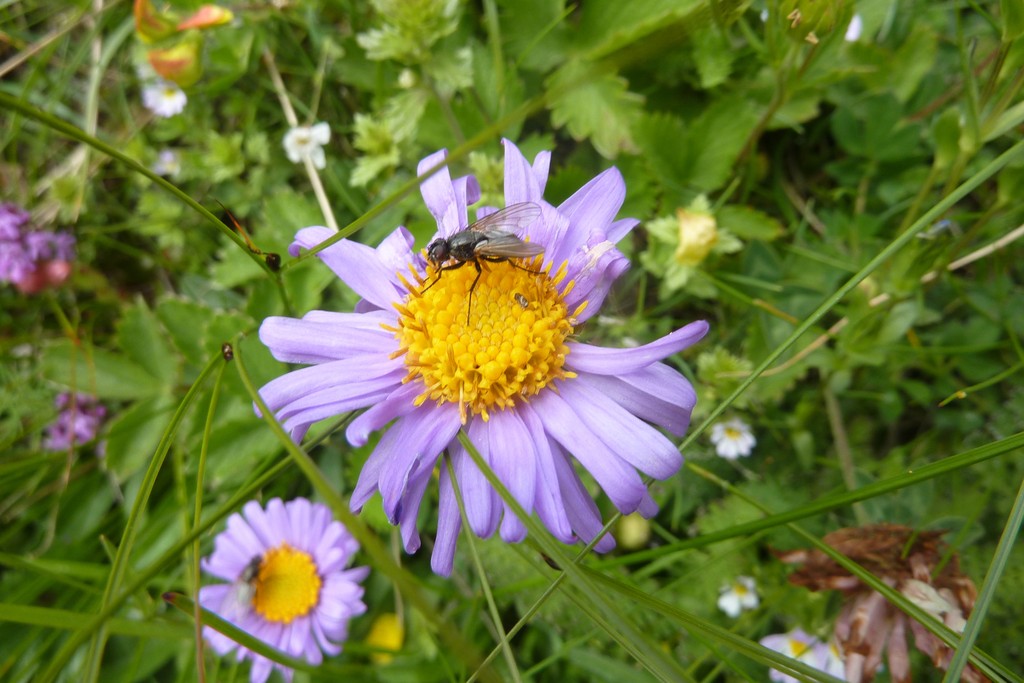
{"x":847,"y":177}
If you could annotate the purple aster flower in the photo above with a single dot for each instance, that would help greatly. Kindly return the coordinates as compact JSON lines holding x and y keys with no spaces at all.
{"x":77,"y":423}
{"x":287,"y":582}
{"x":32,"y":259}
{"x":507,"y":369}
{"x":12,"y":218}
{"x":806,"y":649}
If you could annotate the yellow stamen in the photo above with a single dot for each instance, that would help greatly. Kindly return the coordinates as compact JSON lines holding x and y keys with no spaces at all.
{"x":287,"y":585}
{"x":506,"y":351}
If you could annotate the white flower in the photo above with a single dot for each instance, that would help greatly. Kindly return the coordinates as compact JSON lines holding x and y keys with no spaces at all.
{"x":854,"y":30}
{"x":805,"y":648}
{"x":741,"y":595}
{"x":167,"y":163}
{"x":164,"y":98}
{"x":307,"y":142}
{"x":733,"y":439}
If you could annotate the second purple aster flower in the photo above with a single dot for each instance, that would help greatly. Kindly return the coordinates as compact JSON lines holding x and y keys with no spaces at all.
{"x":531,"y":398}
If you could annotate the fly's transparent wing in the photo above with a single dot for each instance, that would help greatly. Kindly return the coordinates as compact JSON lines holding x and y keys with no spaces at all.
{"x":506,"y":245}
{"x":510,"y":219}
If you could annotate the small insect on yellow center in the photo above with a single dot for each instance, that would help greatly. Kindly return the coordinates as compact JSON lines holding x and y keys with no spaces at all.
{"x":287,"y":585}
{"x":511,"y":346}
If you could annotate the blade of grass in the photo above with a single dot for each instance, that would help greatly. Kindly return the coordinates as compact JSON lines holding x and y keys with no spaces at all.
{"x":988,"y":589}
{"x":125,"y":547}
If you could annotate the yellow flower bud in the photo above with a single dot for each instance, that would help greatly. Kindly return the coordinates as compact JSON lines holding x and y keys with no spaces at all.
{"x":698,"y":234}
{"x":386,"y":633}
{"x":633,"y":532}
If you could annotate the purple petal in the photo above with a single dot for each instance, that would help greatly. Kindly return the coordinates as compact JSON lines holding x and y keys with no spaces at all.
{"x":362,"y":269}
{"x":521,"y":181}
{"x":636,"y":442}
{"x":620,"y":229}
{"x":448,"y":525}
{"x":658,"y":394}
{"x":480,"y":500}
{"x":467,"y":191}
{"x":514,"y":460}
{"x":616,"y":477}
{"x":594,"y":206}
{"x":605,"y":361}
{"x":395,"y":250}
{"x":594,"y":269}
{"x":548,"y":496}
{"x":422,"y":434}
{"x":399,"y":402}
{"x":439,"y":195}
{"x":580,"y":507}
{"x":322,"y":336}
{"x":418,"y":482}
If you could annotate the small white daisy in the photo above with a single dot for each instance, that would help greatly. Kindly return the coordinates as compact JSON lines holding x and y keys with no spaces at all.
{"x":307,"y":141}
{"x":740,"y":595}
{"x":164,"y":98}
{"x":854,"y":30}
{"x":733,"y":439}
{"x":167,"y":163}
{"x":806,"y":649}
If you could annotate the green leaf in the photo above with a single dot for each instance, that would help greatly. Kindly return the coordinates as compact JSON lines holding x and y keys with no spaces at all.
{"x":600,"y":108}
{"x":716,"y":139}
{"x":1012,"y":12}
{"x":663,"y":145}
{"x":96,"y":371}
{"x":607,"y":25}
{"x":749,"y":223}
{"x":237,"y":447}
{"x":144,"y":341}
{"x":134,"y":434}
{"x":946,"y":133}
{"x":713,"y":56}
{"x":184,"y":321}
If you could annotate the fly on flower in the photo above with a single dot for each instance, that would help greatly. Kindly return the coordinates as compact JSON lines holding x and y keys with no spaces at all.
{"x":238,"y":600}
{"x":492,"y":238}
{"x":538,"y":404}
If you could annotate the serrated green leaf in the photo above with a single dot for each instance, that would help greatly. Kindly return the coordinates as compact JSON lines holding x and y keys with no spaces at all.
{"x":608,"y":25}
{"x":144,"y":341}
{"x":662,"y":141}
{"x":599,"y":108}
{"x":133,"y":435}
{"x":712,"y":56}
{"x":96,"y":371}
{"x":716,"y":139}
{"x":184,"y":321}
{"x":749,"y":223}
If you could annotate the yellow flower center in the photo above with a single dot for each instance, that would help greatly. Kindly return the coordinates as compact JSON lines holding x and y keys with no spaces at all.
{"x":287,"y":585}
{"x":511,"y":346}
{"x":732,"y":433}
{"x":740,"y":589}
{"x":798,"y":648}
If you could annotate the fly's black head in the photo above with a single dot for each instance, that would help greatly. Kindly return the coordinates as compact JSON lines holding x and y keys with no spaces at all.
{"x":438,"y":251}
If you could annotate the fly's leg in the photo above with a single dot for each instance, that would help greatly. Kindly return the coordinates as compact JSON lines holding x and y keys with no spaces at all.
{"x":442,"y":269}
{"x":479,"y":272}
